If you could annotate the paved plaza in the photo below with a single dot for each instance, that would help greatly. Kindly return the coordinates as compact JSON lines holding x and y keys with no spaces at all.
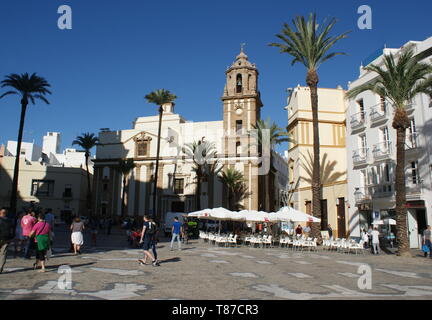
{"x":203,"y":271}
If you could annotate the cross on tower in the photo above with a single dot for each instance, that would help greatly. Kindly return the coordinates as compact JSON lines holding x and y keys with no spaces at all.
{"x":242,"y":46}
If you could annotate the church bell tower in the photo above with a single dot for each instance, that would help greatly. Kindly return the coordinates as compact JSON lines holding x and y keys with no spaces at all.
{"x":241,"y":101}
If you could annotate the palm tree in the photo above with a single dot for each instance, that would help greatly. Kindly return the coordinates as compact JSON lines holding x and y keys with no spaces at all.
{"x":29,"y":88}
{"x":159,"y":98}
{"x":125,"y":167}
{"x":237,"y":189}
{"x":268,"y":134}
{"x":309,"y":44}
{"x":399,"y":82}
{"x":327,"y":175}
{"x":87,"y":141}
{"x":205,"y":164}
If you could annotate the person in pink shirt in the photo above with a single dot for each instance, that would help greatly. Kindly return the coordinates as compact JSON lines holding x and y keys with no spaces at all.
{"x":27,"y":224}
{"x":41,"y":233}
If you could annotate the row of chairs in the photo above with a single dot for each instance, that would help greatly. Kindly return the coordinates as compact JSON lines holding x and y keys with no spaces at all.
{"x":300,"y":244}
{"x":260,"y":241}
{"x":226,"y":240}
{"x":344,"y":246}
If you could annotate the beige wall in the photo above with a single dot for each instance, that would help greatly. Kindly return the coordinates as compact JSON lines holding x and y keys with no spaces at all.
{"x":29,"y":171}
{"x":332,"y":132}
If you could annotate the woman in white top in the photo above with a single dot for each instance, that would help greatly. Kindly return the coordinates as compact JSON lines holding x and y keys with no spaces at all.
{"x":77,"y":238}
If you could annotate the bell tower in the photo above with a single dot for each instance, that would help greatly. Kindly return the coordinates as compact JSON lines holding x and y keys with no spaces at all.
{"x":241,"y":102}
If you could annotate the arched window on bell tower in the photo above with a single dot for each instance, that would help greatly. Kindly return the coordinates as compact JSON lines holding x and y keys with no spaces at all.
{"x":239,"y":83}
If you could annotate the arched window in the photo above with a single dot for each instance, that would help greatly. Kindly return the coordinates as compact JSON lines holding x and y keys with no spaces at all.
{"x":239,"y":83}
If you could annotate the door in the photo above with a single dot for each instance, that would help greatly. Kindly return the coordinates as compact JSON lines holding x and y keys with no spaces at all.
{"x":341,"y":218}
{"x":177,"y":206}
{"x":413,"y":229}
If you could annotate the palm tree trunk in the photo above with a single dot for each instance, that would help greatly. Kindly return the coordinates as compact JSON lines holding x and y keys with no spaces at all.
{"x":156,"y":213}
{"x":14,"y":193}
{"x":89,"y":199}
{"x":312,"y":81}
{"x":401,"y":210}
{"x":267,"y":191}
{"x":123,"y":207}
{"x":198,"y":194}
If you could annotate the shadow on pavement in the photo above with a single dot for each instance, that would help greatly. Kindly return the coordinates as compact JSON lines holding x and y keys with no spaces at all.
{"x":52,"y":267}
{"x":176,"y":259}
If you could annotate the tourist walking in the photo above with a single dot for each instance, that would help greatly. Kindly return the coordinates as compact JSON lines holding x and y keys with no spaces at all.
{"x":427,"y":241}
{"x":27,"y":224}
{"x":299,"y":231}
{"x":185,"y":235}
{"x":365,"y":239}
{"x":77,"y":238}
{"x":148,"y":231}
{"x":6,"y":235}
{"x":19,"y":240}
{"x":375,"y":241}
{"x":94,"y":224}
{"x":41,"y":235}
{"x":154,"y":232}
{"x":176,"y":230}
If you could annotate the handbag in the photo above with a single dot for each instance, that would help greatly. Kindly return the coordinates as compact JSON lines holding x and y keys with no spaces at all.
{"x":42,"y":241}
{"x":425,"y":248}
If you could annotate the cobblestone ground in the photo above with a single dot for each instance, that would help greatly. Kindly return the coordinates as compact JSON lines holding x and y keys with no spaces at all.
{"x":110,"y":270}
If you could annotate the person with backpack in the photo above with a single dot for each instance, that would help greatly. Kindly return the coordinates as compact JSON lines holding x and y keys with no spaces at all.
{"x":41,"y":233}
{"x":6,"y":235}
{"x":154,"y":232}
{"x":148,"y":232}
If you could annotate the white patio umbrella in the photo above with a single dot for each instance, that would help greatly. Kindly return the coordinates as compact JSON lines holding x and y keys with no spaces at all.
{"x":378,"y":222}
{"x":391,"y":222}
{"x":255,"y":216}
{"x":220,"y":214}
{"x":200,"y":214}
{"x":291,"y":214}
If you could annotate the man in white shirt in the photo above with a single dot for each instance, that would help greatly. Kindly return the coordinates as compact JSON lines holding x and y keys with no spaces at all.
{"x":375,"y":240}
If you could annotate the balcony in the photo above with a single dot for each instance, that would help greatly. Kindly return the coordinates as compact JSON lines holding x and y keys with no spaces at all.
{"x":412,"y":145}
{"x":383,"y":190}
{"x":362,"y":195}
{"x":360,"y":156}
{"x":414,"y":189}
{"x":358,"y":121}
{"x":382,"y":151}
{"x":378,"y":114}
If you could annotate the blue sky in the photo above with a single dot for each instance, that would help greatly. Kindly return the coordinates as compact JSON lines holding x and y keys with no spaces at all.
{"x":118,"y":51}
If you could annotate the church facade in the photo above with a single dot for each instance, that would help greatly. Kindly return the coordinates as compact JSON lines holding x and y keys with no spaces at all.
{"x":176,"y":185}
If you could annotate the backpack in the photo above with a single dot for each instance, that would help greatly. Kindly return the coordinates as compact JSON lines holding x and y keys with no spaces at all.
{"x":151,"y":229}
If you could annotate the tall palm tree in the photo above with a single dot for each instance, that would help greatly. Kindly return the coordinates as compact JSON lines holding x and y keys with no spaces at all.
{"x":327,"y":175}
{"x":87,"y":141}
{"x":125,"y":167}
{"x":237,"y":189}
{"x":268,"y":134}
{"x":309,"y":44}
{"x":399,"y":81}
{"x":29,"y":88}
{"x":205,"y":164}
{"x":159,"y":98}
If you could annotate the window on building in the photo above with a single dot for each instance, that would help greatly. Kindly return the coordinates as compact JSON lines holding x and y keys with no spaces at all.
{"x":44,"y":188}
{"x":142,"y":148}
{"x":239,"y":83}
{"x":239,"y":125}
{"x":179,"y":186}
{"x":362,"y":143}
{"x":415,"y":173}
{"x":361,"y":109}
{"x":383,"y":104}
{"x":291,"y":170}
{"x":238,"y":148}
{"x":105,"y":187}
{"x":67,"y":191}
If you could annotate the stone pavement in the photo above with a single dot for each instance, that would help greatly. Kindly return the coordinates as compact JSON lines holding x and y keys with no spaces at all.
{"x":202,"y":271}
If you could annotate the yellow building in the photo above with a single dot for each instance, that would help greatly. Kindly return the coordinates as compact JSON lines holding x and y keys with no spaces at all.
{"x":332,"y":130}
